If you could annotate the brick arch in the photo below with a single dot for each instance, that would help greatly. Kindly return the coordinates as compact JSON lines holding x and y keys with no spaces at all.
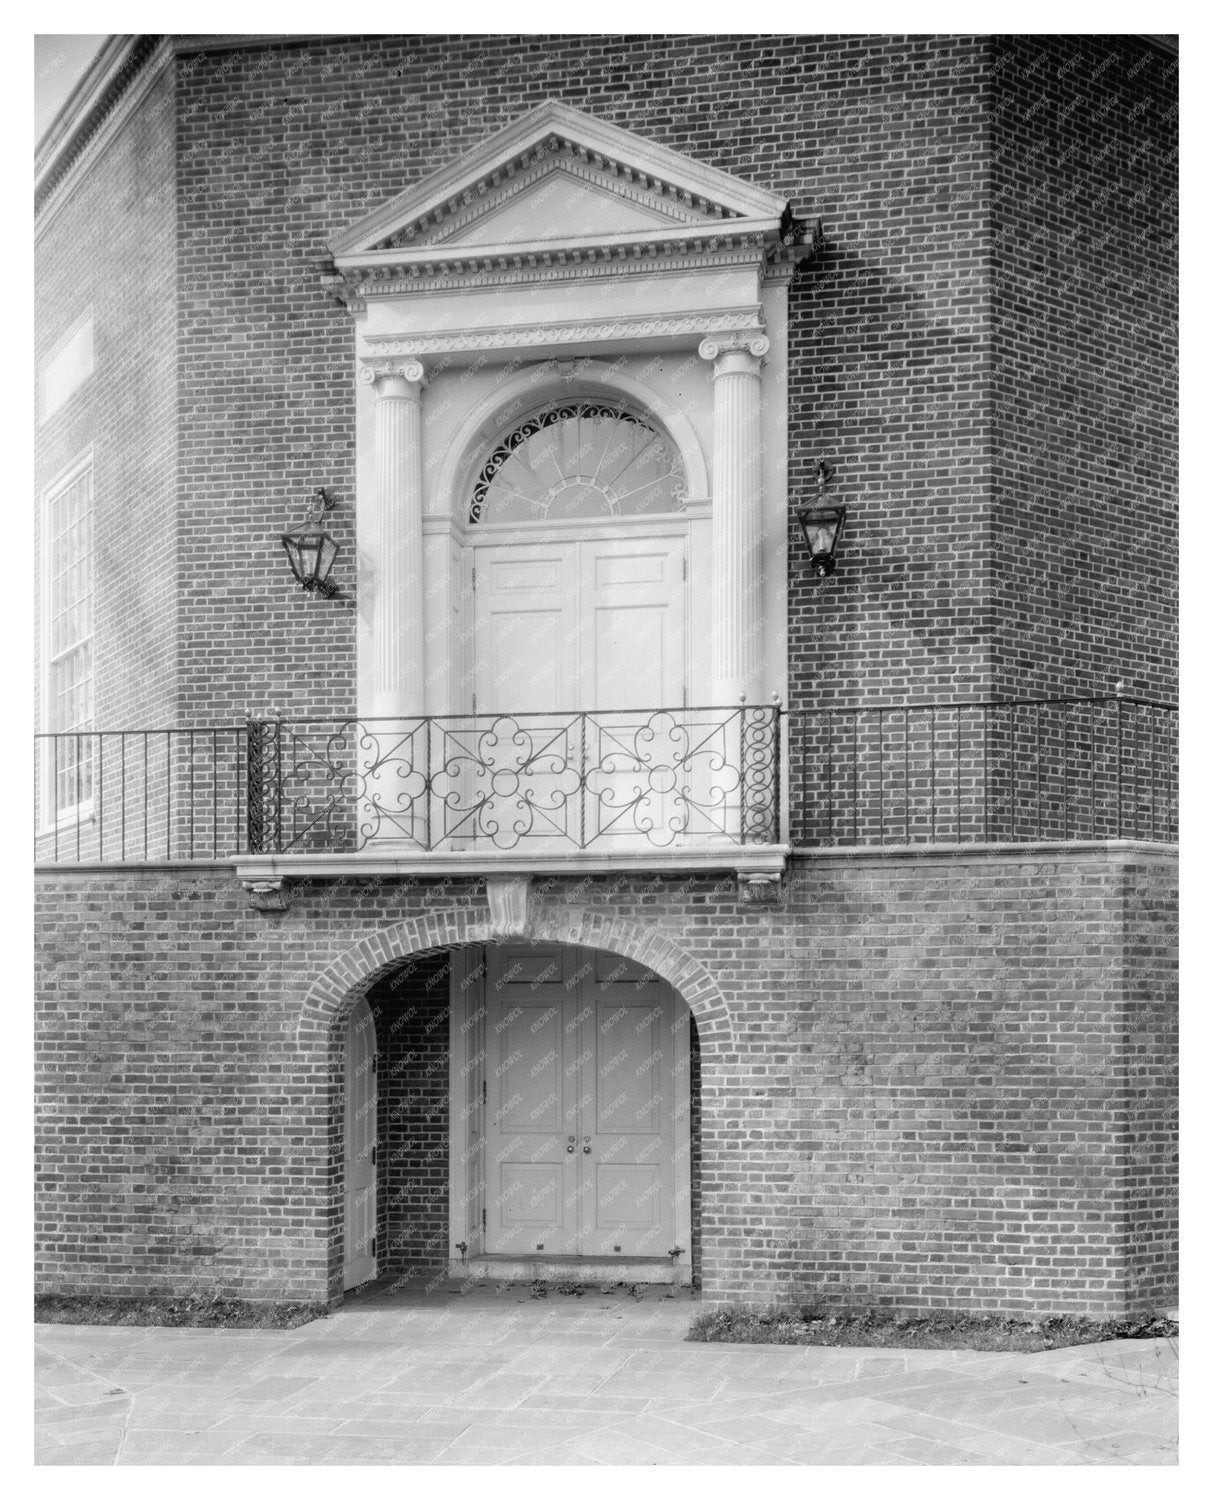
{"x":352,"y":974}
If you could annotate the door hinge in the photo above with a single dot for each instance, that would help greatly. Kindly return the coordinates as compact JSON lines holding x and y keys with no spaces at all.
{"x":484,"y":1084}
{"x":684,"y":570}
{"x":473,"y":575}
{"x":374,"y":1246}
{"x":484,"y":1221}
{"x":374,"y":1153}
{"x":473,"y":702}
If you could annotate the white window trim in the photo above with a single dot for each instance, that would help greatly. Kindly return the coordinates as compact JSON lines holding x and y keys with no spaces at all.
{"x":83,"y":812}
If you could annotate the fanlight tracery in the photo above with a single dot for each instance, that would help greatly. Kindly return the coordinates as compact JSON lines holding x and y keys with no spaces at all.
{"x":579,"y":460}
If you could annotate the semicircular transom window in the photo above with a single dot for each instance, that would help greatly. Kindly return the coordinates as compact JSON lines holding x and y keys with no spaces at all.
{"x":580,"y":460}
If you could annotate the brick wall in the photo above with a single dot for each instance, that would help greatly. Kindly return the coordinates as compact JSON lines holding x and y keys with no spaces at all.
{"x":885,"y":137}
{"x":922,"y":1098}
{"x":111,"y":243}
{"x":887,"y":141}
{"x":412,"y":1019}
{"x":1085,"y":216}
{"x":985,"y":345}
{"x":1151,"y":1077}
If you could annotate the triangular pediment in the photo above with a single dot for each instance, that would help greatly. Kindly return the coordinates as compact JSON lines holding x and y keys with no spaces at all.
{"x":559,"y":175}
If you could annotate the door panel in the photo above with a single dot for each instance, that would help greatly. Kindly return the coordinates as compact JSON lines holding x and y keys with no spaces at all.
{"x":531,"y":1174}
{"x":526,"y":637}
{"x":594,"y":626}
{"x":631,"y":609}
{"x":633,"y":618}
{"x":629,"y":1208}
{"x":361,"y":1097}
{"x":580,"y":1056}
{"x":525,"y":668}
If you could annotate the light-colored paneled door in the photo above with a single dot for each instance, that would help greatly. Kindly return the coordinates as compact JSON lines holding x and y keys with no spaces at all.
{"x":582,"y":1111}
{"x":581,"y":639}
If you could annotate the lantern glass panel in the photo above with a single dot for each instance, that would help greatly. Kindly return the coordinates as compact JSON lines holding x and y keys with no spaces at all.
{"x":311,"y":552}
{"x":821,"y":529}
{"x":328,"y":551}
{"x":820,"y":536}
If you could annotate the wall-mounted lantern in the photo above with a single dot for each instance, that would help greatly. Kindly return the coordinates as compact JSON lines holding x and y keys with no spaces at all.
{"x":822,"y":524}
{"x":312,"y":552}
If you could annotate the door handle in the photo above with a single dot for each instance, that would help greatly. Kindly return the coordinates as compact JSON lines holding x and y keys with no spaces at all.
{"x":586,"y":1149}
{"x":570,"y":1149}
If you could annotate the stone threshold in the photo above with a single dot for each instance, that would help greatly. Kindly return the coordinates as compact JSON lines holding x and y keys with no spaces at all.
{"x":657,"y":1270}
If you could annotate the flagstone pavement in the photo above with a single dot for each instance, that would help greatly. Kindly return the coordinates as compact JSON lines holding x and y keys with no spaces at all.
{"x":502,"y":1376}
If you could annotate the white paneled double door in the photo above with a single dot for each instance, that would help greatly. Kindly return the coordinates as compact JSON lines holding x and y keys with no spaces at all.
{"x":586,"y":1139}
{"x":594,"y":623}
{"x":580,"y":643}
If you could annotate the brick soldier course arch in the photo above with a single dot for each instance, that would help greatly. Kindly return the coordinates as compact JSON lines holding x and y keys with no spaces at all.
{"x":352,"y":974}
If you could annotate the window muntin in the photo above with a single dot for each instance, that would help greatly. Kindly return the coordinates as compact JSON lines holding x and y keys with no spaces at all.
{"x":68,"y":640}
{"x":579,"y":460}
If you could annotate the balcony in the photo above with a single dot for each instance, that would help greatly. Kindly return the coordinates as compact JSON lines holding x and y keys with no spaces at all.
{"x":708,"y":788}
{"x":682,"y":788}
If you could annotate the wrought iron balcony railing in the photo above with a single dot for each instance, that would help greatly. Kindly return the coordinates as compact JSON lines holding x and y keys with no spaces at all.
{"x":1029,"y":770}
{"x":992,"y":772}
{"x":552,"y":783}
{"x":548,"y":781}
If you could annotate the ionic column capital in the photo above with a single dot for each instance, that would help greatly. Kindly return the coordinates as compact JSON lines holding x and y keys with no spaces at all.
{"x":394,"y":377}
{"x":735,"y":353}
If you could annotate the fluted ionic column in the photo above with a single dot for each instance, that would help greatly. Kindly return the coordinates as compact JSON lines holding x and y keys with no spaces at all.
{"x":398,"y":673}
{"x":737,"y":623}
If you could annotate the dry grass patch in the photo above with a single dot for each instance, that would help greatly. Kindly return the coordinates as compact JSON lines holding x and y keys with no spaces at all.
{"x":936,"y":1330}
{"x":173,"y":1312}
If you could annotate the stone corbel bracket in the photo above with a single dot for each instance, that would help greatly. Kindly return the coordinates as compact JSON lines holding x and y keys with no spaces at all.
{"x":509,"y":898}
{"x":760,"y":890}
{"x":268,"y":895}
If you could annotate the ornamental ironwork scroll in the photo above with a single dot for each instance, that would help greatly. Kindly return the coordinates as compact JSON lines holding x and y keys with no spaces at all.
{"x":657,"y":778}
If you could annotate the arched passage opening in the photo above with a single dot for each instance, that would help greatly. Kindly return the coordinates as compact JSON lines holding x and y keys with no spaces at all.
{"x":536,"y":1109}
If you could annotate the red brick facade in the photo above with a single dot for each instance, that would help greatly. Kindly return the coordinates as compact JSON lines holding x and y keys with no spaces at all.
{"x":1084,"y":217}
{"x":984,"y":346}
{"x":929,"y":1080}
{"x":925,"y":1082}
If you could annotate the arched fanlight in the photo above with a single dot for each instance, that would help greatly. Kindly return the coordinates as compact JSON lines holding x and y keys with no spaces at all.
{"x":311,"y":551}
